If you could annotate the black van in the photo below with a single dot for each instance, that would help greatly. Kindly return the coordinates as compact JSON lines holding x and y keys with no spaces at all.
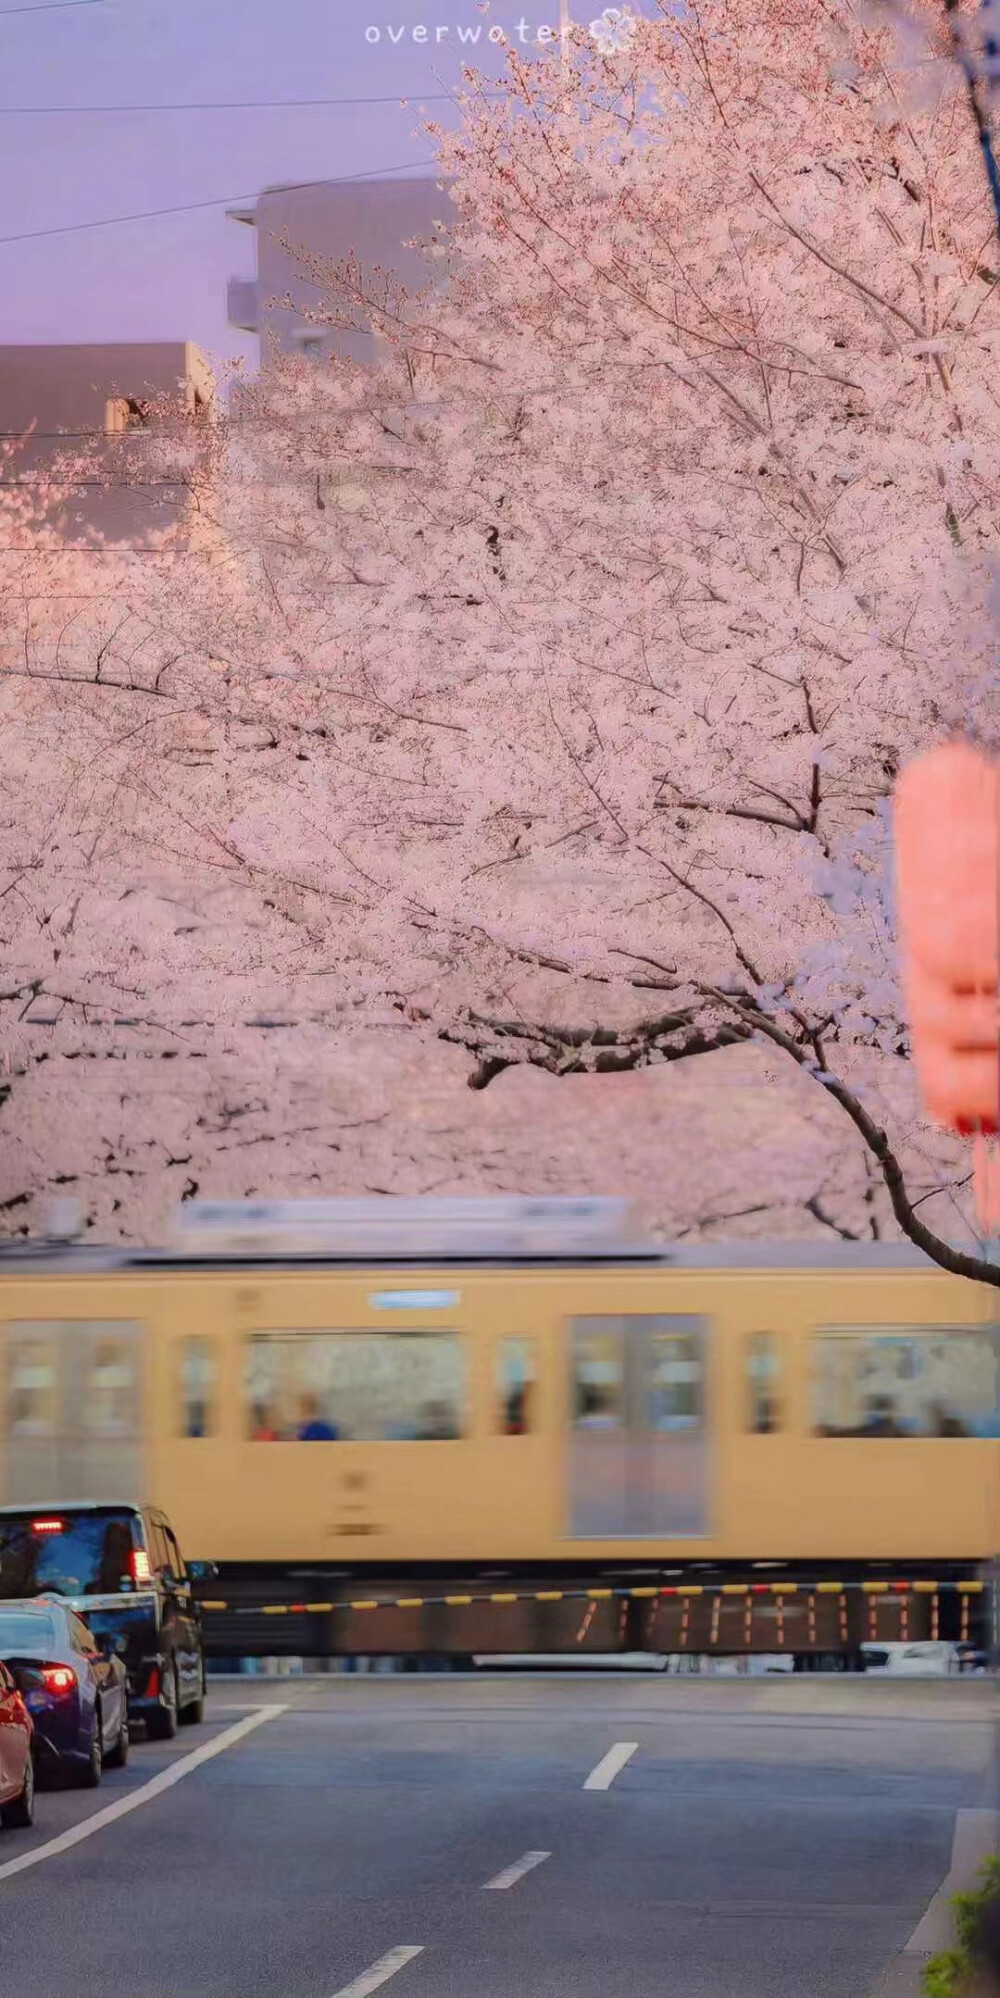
{"x":121,"y":1568}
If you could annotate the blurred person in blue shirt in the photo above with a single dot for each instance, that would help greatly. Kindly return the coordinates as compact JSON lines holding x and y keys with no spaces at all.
{"x":314,"y":1427}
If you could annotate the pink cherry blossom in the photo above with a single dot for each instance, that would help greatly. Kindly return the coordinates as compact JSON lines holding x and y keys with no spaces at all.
{"x":524,"y":712}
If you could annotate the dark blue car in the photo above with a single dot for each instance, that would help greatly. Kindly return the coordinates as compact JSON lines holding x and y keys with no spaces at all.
{"x":74,"y":1689}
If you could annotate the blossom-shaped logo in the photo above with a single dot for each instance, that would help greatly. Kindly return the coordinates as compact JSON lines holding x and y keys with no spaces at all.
{"x":612,"y":31}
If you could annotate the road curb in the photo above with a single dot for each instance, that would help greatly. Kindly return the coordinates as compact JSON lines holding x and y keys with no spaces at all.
{"x":977,"y":1837}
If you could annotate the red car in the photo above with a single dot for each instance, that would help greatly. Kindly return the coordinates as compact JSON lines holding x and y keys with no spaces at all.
{"x":17,"y":1761}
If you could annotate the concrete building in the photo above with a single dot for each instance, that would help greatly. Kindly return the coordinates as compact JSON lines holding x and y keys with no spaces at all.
{"x":68,"y":396}
{"x":328,"y":220}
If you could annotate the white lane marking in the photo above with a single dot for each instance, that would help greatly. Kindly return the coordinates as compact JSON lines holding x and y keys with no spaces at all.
{"x":99,"y":1820}
{"x":380,"y":1972}
{"x":239,"y":1706}
{"x":516,"y":1872}
{"x":610,"y":1764}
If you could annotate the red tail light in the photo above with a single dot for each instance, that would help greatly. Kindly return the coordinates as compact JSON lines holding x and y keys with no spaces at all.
{"x":153,"y":1685}
{"x":46,"y":1526}
{"x":58,"y":1678}
{"x":141,"y":1571}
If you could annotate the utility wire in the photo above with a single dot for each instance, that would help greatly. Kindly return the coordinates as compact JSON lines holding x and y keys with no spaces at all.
{"x":51,"y":6}
{"x":414,"y":100}
{"x":189,"y":207}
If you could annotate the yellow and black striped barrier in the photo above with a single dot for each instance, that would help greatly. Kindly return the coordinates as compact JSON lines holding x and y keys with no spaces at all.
{"x":650,"y":1593}
{"x":809,"y":1616}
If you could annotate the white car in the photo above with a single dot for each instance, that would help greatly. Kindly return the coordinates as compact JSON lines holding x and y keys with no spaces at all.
{"x":914,"y":1661}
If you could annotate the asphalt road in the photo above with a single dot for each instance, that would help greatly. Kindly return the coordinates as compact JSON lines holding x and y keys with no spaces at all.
{"x":755,"y":1840}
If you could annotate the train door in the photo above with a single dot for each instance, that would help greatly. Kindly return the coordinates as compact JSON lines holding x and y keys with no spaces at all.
{"x":638,"y":1463}
{"x":74,"y":1399}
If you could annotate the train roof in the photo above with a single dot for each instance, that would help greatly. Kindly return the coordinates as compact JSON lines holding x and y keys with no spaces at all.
{"x":28,"y":1257}
{"x":426,"y":1232}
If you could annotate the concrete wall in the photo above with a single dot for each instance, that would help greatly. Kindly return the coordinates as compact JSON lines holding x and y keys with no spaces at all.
{"x":329,"y":219}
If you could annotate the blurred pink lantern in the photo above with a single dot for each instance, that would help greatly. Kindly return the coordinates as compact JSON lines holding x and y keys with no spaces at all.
{"x":947,"y":827}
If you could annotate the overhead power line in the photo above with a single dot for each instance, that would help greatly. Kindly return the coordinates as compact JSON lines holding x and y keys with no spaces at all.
{"x":413,"y":101}
{"x":51,"y":6}
{"x":189,"y":207}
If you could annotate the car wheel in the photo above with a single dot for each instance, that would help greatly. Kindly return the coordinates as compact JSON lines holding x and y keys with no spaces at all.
{"x":194,"y":1712}
{"x":161,"y":1724}
{"x":117,"y":1756}
{"x":19,"y":1814}
{"x":93,"y":1768}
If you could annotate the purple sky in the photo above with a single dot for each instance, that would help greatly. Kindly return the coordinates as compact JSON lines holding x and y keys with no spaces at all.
{"x":166,"y":278}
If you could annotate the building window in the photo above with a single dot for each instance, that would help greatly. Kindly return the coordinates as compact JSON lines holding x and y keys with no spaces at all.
{"x":515,"y":1386}
{"x":392,"y":1386}
{"x":198,"y":1375}
{"x":926,"y":1381}
{"x":123,"y":413}
{"x":763,"y":1366}
{"x":309,"y":343}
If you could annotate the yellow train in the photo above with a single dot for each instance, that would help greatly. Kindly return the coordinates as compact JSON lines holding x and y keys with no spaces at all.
{"x":506,"y":1385}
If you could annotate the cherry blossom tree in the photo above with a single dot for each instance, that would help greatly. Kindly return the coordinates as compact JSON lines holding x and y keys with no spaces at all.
{"x":540,"y":693}
{"x":41,"y":588}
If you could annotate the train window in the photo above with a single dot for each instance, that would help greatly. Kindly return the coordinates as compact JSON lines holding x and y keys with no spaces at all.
{"x":925,"y":1381}
{"x":763,"y":1374}
{"x":31,"y":1383}
{"x":199,"y":1368}
{"x":311,"y":1387}
{"x":598,"y":1374}
{"x":515,"y":1385}
{"x":673,"y":1378}
{"x":110,"y":1399}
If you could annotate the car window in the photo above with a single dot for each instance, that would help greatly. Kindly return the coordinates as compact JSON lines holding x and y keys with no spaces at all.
{"x":80,"y":1636}
{"x":72,"y":1554}
{"x":159,"y":1554}
{"x":25,"y":1630}
{"x":174,"y":1553}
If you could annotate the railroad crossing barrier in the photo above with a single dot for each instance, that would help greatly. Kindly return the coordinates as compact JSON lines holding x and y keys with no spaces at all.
{"x":807,"y":1617}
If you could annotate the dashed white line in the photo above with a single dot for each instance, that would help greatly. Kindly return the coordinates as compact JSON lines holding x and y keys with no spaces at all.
{"x":610,"y":1765}
{"x":517,"y":1871}
{"x":380,"y":1972}
{"x":174,"y":1773}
